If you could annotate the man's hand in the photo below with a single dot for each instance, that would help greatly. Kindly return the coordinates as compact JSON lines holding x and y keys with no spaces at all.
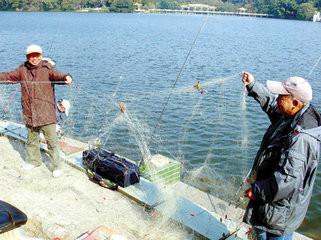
{"x":247,"y":181}
{"x":122,"y":107}
{"x":249,"y":194}
{"x":68,"y":80}
{"x":247,"y":78}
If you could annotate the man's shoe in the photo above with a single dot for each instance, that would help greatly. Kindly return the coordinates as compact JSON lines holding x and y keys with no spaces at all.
{"x":28,"y":166}
{"x":56,"y":173}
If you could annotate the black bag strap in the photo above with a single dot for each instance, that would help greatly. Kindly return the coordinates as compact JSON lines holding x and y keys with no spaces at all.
{"x":100,"y":180}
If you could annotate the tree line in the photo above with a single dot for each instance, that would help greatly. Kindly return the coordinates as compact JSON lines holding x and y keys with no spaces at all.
{"x":67,"y":5}
{"x":289,"y":9}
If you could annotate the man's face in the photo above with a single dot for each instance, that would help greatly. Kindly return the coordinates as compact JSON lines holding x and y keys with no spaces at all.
{"x":34,"y":58}
{"x":285,"y":104}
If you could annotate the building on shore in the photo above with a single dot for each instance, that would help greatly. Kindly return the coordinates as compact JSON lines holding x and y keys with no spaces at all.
{"x":198,"y":7}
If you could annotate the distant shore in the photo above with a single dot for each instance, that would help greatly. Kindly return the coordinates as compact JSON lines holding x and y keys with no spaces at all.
{"x":282,"y":9}
{"x":243,"y":14}
{"x":164,"y":11}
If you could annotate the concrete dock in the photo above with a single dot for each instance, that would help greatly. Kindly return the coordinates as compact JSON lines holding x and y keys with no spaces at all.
{"x":70,"y":205}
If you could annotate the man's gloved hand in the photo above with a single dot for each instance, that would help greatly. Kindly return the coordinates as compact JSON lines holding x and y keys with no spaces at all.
{"x":122,"y":107}
{"x":68,"y":80}
{"x":249,"y":194}
{"x":247,"y":78}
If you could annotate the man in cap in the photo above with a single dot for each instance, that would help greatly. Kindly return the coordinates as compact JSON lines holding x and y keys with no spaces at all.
{"x":37,"y":79}
{"x":285,"y":166}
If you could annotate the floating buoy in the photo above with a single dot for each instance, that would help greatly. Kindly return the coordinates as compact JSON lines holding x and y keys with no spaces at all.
{"x":199,"y":88}
{"x":203,"y":91}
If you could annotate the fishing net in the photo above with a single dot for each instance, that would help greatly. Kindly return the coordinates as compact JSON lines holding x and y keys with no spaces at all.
{"x":219,"y":162}
{"x":204,"y":119}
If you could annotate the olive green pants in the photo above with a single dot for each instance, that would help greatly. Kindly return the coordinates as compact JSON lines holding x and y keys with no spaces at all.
{"x":33,"y":145}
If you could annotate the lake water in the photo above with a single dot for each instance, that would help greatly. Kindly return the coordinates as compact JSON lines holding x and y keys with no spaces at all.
{"x":136,"y":59}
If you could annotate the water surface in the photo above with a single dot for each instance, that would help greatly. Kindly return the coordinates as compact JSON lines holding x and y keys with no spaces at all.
{"x":136,"y":59}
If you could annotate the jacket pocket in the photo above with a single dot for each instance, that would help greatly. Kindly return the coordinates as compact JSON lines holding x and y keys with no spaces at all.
{"x":274,"y":215}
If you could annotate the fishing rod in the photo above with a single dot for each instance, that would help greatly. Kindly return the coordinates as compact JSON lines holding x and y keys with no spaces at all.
{"x":157,"y":125}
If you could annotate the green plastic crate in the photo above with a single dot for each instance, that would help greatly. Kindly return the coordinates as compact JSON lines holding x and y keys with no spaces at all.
{"x":170,"y":173}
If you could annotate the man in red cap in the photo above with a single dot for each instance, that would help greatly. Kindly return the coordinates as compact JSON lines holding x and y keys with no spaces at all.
{"x":37,"y":79}
{"x":285,"y":166}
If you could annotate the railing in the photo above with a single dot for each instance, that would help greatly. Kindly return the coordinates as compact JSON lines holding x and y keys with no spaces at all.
{"x":180,"y":11}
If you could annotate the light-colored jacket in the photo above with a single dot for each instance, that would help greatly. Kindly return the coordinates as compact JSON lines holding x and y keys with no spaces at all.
{"x":285,"y":166}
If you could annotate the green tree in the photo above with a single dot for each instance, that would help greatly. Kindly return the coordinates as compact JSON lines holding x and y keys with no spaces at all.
{"x":306,"y":11}
{"x":227,"y":7}
{"x":33,"y":5}
{"x":283,"y":8}
{"x":17,"y":4}
{"x":92,"y":3}
{"x":149,"y":4}
{"x":5,"y":5}
{"x":303,"y":1}
{"x":123,"y":6}
{"x":49,"y":5}
{"x":293,"y":9}
{"x":261,"y":6}
{"x":208,"y":2}
{"x":168,"y":4}
{"x":67,"y":5}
